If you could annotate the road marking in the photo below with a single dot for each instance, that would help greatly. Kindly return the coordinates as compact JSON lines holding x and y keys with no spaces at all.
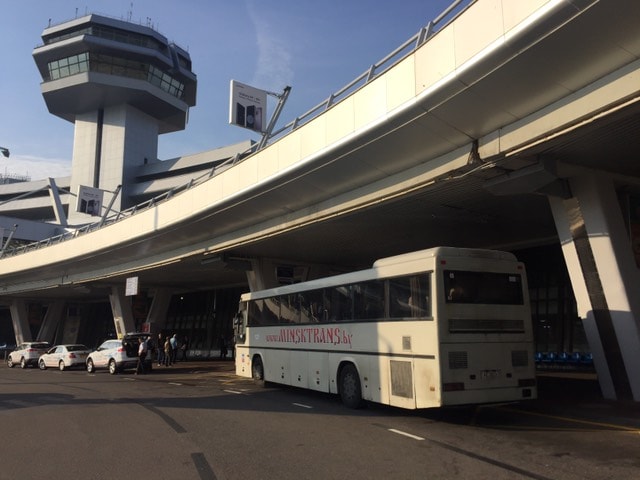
{"x":175,"y":383}
{"x":233,"y":391}
{"x":168,"y":420}
{"x":575,"y":420}
{"x":400,"y":432}
{"x":203,"y":467}
{"x":302,"y":405}
{"x":19,"y":403}
{"x":467,"y":453}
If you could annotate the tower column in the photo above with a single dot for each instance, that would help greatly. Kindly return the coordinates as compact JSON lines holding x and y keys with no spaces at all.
{"x":601,"y":264}
{"x":262,"y":274}
{"x":51,"y":321}
{"x":157,"y":315}
{"x":122,"y":314}
{"x":20,"y":320}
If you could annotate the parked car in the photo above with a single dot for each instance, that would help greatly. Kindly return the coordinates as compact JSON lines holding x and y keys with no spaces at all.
{"x":5,"y":348}
{"x":64,"y":356}
{"x":27,"y":353}
{"x":118,"y":354}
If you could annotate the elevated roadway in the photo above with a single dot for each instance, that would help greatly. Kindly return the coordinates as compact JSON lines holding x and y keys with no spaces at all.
{"x":477,"y":138}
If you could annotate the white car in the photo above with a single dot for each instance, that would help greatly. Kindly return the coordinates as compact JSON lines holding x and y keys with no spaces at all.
{"x":64,"y":356}
{"x":26,"y":354}
{"x":118,"y":354}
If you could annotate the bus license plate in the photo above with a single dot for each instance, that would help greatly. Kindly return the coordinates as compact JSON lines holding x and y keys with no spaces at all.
{"x":489,"y":374}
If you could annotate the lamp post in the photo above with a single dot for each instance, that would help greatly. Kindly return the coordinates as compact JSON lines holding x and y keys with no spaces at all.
{"x":4,"y":151}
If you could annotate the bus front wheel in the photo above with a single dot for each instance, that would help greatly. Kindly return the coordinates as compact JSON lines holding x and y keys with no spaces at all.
{"x":350,"y":390}
{"x":257,"y":371}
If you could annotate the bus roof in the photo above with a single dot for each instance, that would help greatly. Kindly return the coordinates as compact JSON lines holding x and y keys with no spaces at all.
{"x":446,"y":252}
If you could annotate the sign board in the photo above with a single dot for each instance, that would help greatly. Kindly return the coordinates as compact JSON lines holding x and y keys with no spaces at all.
{"x":131,"y":287}
{"x":89,"y":200}
{"x":247,"y":106}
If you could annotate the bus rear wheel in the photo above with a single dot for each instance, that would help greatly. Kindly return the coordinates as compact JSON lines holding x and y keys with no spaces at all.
{"x":257,"y":371}
{"x":350,"y":389}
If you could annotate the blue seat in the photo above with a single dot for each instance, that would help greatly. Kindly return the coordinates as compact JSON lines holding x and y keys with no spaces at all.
{"x":587,"y":359}
{"x":576,"y":358}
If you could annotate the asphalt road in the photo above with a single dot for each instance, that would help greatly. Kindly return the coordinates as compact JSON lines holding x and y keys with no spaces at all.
{"x":196,"y":420}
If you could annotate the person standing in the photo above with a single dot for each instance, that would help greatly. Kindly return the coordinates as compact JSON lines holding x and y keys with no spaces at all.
{"x":184,"y":347}
{"x":174,"y":348}
{"x":160,"y":349}
{"x":167,"y":352}
{"x":232,"y":345}
{"x":142,"y":355}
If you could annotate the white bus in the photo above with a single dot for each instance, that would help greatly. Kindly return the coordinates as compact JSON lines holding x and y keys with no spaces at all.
{"x":444,"y":326}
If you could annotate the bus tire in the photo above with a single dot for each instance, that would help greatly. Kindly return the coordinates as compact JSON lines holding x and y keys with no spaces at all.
{"x":257,"y":371}
{"x":350,"y":389}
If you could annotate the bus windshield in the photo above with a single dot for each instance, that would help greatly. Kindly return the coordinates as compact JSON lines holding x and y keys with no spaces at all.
{"x":488,"y":288}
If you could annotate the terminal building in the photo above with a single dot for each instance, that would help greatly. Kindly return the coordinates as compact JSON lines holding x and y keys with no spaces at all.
{"x":122,"y":85}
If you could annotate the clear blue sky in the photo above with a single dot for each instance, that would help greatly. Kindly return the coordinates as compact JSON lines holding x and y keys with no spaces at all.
{"x":315,"y":47}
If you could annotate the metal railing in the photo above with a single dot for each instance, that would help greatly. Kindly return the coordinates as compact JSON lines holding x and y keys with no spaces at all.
{"x":404,"y":50}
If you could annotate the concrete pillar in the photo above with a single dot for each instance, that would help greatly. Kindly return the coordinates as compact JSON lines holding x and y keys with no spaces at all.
{"x":51,"y":321}
{"x":157,"y":315}
{"x":603,"y":273}
{"x":122,"y":313}
{"x":20,"y":320}
{"x":262,"y":274}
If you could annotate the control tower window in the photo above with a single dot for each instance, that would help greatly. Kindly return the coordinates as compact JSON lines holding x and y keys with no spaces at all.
{"x":166,"y":82}
{"x":112,"y":65}
{"x":69,"y":66}
{"x":109,"y":33}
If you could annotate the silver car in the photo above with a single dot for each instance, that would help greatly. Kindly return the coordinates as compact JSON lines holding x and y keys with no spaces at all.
{"x":64,"y":356}
{"x":27,"y":353}
{"x":118,"y":354}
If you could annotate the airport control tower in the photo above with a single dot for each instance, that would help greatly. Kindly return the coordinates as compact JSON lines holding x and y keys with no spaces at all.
{"x":122,"y":85}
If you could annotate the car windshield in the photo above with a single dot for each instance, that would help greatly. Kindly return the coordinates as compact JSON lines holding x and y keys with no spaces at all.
{"x":75,"y":348}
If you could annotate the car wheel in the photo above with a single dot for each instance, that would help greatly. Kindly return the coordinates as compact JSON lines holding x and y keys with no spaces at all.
{"x":9,"y":362}
{"x":257,"y":371}
{"x":90,"y":367}
{"x":61,"y":365}
{"x":350,"y":390}
{"x":112,"y":367}
{"x":42,"y":365}
{"x":23,"y":363}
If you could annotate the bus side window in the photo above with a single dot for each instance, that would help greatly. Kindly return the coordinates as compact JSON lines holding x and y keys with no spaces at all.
{"x":341,"y":303}
{"x":409,"y":297}
{"x":368,"y":300}
{"x":399,"y":298}
{"x":317,"y":310}
{"x":419,"y":300}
